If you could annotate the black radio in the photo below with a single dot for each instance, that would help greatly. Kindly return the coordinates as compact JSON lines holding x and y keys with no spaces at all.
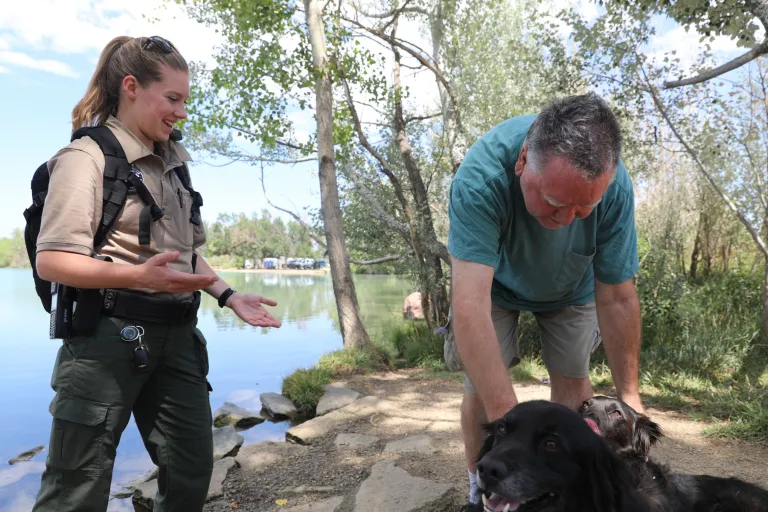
{"x":62,"y":309}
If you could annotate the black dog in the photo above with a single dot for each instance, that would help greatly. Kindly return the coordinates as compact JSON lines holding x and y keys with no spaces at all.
{"x":542,"y":457}
{"x":631,"y":435}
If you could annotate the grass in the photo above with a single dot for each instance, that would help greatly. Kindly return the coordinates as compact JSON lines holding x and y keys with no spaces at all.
{"x":701,"y":355}
{"x":305,"y":388}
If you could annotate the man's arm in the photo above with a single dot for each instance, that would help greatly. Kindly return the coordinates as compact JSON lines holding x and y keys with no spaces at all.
{"x":476,"y":338}
{"x":618,"y":314}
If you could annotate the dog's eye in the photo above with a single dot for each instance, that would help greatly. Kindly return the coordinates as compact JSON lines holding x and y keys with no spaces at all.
{"x":501,"y":429}
{"x":550,"y":445}
{"x":617,"y":413}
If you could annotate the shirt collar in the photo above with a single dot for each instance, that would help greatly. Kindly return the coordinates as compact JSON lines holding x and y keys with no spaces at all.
{"x":172,"y":153}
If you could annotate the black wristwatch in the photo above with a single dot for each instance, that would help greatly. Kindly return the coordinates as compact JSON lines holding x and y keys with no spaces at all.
{"x":224,"y":296}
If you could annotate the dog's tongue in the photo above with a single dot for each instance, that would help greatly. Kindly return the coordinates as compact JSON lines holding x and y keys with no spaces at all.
{"x":496,"y":502}
{"x":592,"y":425}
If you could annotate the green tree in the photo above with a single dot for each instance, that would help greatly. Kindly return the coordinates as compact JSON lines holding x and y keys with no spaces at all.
{"x":272,"y":63}
{"x":737,"y":19}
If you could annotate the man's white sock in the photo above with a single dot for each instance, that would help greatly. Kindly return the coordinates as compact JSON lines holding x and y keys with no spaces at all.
{"x":474,"y":490}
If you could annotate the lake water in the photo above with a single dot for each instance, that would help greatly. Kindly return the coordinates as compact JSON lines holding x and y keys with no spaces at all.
{"x":244,"y":362}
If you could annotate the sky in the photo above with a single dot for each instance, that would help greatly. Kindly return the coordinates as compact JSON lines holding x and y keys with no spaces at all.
{"x":49,"y":48}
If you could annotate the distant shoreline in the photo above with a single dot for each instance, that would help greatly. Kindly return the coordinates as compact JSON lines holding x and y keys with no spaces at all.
{"x":314,"y":271}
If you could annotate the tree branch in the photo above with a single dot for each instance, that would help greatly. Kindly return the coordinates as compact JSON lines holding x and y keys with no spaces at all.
{"x":255,"y":158}
{"x":379,"y":212}
{"x":411,"y":9}
{"x":728,"y":201}
{"x":377,"y":261}
{"x":301,"y":222}
{"x":396,"y":42}
{"x":753,"y":167}
{"x":751,"y":55}
{"x":411,"y":119}
{"x":364,"y":142}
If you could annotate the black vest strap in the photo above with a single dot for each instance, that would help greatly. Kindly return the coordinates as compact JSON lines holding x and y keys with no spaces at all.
{"x":119,"y":180}
{"x":197,"y":200}
{"x":151,"y":211}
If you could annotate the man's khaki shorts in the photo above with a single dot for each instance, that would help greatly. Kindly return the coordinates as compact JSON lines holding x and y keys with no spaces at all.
{"x":568,"y":338}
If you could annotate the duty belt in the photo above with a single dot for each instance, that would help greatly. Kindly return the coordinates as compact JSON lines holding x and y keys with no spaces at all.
{"x":145,"y":308}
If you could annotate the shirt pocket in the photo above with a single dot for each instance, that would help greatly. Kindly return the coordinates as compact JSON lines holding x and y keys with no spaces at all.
{"x":572,"y":271}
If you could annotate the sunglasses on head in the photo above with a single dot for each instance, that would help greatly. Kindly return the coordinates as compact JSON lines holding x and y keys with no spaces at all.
{"x":161,"y":43}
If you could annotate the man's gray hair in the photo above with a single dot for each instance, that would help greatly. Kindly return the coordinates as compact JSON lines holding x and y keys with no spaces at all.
{"x":583,"y":129}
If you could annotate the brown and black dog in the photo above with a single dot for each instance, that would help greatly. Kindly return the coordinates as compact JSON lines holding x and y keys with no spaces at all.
{"x":631,"y":435}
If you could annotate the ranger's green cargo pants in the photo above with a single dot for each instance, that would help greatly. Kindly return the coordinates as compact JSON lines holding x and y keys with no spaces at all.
{"x":97,"y":389}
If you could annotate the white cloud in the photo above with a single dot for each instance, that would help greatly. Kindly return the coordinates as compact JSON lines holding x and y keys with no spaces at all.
{"x":85,"y":26}
{"x":688,"y":48}
{"x":23,"y":60}
{"x":4,"y":70}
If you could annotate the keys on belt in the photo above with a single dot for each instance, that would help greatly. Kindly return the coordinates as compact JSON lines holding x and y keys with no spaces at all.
{"x":131,"y":333}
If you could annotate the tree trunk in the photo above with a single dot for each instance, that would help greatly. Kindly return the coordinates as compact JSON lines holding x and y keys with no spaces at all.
{"x":696,"y":249}
{"x":432,"y":278}
{"x":457,"y":143}
{"x":352,"y":329}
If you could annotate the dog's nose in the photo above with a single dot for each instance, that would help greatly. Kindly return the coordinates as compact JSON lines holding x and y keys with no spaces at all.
{"x":492,"y":471}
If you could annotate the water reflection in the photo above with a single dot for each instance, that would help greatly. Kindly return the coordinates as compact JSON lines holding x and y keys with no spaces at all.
{"x":245,"y":362}
{"x":303,"y":297}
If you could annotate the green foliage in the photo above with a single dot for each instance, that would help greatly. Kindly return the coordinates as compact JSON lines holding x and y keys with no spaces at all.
{"x":353,"y":360}
{"x":13,"y":252}
{"x":724,"y":17}
{"x":305,"y":388}
{"x":234,"y":238}
{"x":417,"y":346}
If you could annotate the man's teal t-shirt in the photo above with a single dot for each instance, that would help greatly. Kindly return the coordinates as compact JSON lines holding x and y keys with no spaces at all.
{"x":536,"y":269}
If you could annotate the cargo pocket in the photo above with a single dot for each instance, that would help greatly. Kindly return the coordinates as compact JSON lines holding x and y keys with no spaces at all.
{"x":202,"y":347}
{"x":78,"y":435}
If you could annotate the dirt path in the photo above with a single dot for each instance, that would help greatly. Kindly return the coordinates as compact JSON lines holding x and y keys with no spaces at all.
{"x":431,"y":406}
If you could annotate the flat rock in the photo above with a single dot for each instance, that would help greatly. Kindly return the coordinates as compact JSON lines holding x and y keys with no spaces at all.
{"x":25,"y":456}
{"x":232,"y":414}
{"x":316,"y":428}
{"x":221,"y":471}
{"x":355,"y":440}
{"x":226,"y":442}
{"x":412,"y":308}
{"x":144,"y":492}
{"x":144,"y":495}
{"x":414,"y":444}
{"x":261,"y":456}
{"x":335,"y":397}
{"x":127,"y":490}
{"x":278,"y":406}
{"x":327,"y":505}
{"x":392,"y":488}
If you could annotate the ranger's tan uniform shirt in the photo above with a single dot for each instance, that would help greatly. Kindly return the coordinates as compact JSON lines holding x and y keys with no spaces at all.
{"x":74,"y":203}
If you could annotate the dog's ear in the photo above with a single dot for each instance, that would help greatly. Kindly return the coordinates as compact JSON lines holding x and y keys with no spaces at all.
{"x":646,"y":433}
{"x":488,"y":430}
